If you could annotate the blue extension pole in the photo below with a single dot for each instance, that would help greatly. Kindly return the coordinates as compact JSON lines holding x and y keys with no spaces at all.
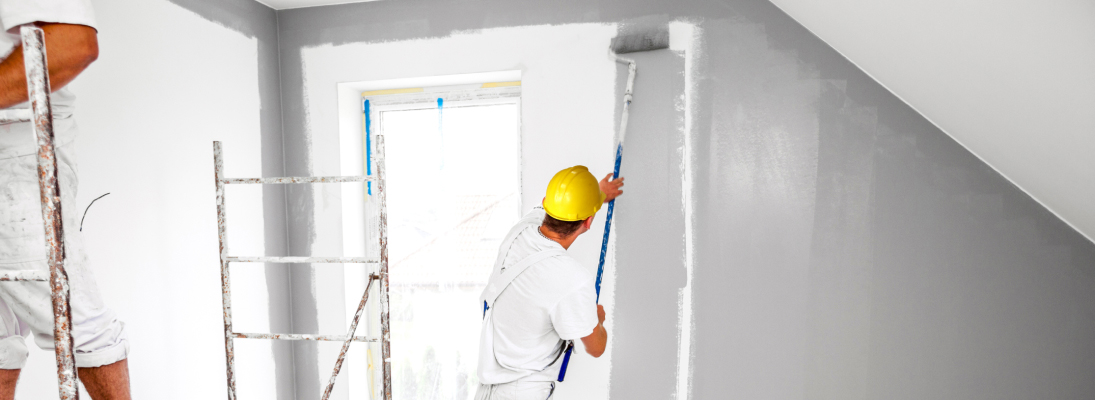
{"x":368,"y":146}
{"x":612,"y":203}
{"x":608,"y":222}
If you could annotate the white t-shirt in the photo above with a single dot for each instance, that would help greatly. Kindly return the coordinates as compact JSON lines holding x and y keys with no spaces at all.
{"x":551,"y":301}
{"x":18,"y":139}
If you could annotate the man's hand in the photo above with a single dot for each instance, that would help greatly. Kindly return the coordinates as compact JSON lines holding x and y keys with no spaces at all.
{"x":597,"y":341}
{"x":69,"y":50}
{"x":611,"y":188}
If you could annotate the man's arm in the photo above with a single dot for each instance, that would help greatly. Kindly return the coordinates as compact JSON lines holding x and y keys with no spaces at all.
{"x":597,"y":341}
{"x":69,"y":50}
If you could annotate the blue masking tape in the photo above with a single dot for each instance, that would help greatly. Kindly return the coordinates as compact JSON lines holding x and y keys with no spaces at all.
{"x":368,"y":146}
{"x":441,"y":129}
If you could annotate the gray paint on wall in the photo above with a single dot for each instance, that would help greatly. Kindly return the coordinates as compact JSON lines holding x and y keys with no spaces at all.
{"x":755,"y":186}
{"x":841,"y":265}
{"x":968,"y":70}
{"x":844,"y":246}
{"x":927,"y":275}
{"x":974,"y":280}
{"x":255,"y":20}
{"x":649,"y":262}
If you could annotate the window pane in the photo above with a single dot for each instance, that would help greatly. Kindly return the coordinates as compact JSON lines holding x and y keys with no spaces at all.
{"x":453,"y":179}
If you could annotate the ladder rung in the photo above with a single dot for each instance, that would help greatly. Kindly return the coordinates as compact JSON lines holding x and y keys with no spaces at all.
{"x":301,"y":179}
{"x":293,"y":336}
{"x":25,"y":275}
{"x":304,"y":260}
{"x":16,"y":115}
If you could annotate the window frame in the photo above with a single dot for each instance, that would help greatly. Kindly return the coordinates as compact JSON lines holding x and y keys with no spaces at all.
{"x":469,"y":95}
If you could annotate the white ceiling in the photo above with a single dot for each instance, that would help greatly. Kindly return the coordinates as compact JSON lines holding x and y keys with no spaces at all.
{"x":1012,"y":80}
{"x":287,"y":4}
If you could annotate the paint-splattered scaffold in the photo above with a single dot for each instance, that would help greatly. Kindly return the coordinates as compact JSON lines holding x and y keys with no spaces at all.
{"x":381,"y":275}
{"x":41,"y":116}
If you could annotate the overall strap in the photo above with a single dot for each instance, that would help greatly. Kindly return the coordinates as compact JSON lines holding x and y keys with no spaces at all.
{"x":502,"y":278}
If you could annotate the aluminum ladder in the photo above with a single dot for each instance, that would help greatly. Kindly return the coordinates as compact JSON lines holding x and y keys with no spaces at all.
{"x":41,"y":116}
{"x":382,"y":276}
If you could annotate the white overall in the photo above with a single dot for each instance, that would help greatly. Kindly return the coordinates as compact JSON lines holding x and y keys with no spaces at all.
{"x":500,"y":279}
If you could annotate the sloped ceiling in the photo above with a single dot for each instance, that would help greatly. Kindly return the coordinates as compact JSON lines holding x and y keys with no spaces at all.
{"x":1013,"y":81}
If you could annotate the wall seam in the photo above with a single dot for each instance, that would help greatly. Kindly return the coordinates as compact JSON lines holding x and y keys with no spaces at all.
{"x":284,"y":196}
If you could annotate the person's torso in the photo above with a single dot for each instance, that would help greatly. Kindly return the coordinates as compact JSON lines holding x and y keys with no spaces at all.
{"x":17,"y":139}
{"x":524,"y":336}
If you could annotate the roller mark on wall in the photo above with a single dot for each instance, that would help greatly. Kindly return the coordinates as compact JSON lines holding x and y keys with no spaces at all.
{"x":683,"y":37}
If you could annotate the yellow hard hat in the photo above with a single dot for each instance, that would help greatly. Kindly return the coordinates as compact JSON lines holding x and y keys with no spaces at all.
{"x":573,"y":195}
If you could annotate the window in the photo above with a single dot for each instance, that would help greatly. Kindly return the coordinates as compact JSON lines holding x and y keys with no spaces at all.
{"x":453,"y":191}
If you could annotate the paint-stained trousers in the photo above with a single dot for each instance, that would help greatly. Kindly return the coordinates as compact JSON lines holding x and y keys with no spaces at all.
{"x":25,"y":307}
{"x":518,"y":390}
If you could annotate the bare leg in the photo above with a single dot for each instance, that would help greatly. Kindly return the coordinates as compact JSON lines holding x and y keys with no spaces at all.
{"x":8,"y":377}
{"x":108,"y":382}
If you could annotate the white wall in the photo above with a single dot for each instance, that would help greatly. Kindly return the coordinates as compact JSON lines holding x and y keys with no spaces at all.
{"x":1013,"y":81}
{"x":167,"y":84}
{"x":568,"y":101}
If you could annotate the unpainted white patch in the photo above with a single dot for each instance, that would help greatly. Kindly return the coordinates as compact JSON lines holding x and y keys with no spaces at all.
{"x":684,"y":36}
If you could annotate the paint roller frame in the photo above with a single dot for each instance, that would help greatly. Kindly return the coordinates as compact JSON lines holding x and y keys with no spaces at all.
{"x":649,"y":39}
{"x":639,"y":39}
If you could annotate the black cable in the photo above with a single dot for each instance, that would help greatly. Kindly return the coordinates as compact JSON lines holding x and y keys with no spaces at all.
{"x":88,"y":208}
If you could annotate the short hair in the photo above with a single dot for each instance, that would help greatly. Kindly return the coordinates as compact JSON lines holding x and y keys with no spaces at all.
{"x":564,"y":228}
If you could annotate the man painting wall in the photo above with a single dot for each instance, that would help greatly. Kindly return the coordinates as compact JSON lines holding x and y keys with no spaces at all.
{"x":101,"y":347}
{"x":539,"y":298}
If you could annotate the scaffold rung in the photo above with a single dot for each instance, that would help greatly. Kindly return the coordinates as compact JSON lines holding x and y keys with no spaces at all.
{"x":303,"y":260}
{"x":293,"y":336}
{"x":13,"y":116}
{"x":298,"y":179}
{"x":26,"y":275}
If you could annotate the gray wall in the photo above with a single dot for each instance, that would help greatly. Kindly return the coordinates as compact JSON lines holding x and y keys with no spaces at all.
{"x":844,"y":247}
{"x":255,"y":20}
{"x":968,"y":71}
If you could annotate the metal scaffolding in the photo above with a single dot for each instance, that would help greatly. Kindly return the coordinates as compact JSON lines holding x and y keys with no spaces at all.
{"x":381,"y":276}
{"x":40,"y":115}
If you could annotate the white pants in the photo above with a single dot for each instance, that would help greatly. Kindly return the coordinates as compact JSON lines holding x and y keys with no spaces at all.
{"x":25,"y":307}
{"x":518,"y":390}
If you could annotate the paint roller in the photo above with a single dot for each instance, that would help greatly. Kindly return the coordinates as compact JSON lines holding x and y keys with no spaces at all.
{"x":633,"y":39}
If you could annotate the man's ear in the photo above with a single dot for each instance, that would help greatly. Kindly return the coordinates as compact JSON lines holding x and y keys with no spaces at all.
{"x":588,"y":223}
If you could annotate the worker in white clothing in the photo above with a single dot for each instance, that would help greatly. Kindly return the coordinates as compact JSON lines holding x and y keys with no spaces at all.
{"x":539,"y":298}
{"x":100,"y":344}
